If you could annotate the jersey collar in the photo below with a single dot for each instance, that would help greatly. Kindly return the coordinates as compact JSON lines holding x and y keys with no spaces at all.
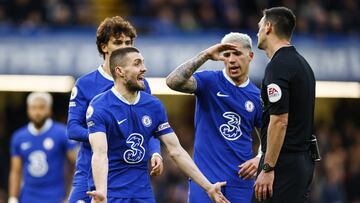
{"x":47,"y":125}
{"x":233,"y":83}
{"x":121,"y":98}
{"x":104,"y":74}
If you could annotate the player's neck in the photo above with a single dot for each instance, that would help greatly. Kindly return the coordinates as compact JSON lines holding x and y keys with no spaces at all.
{"x":275,"y":45}
{"x":38,"y":127}
{"x":130,"y":96}
{"x":239,"y":81}
{"x":106,"y":66}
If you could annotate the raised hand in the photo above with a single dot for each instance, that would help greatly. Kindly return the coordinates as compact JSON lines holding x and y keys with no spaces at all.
{"x":214,"y":52}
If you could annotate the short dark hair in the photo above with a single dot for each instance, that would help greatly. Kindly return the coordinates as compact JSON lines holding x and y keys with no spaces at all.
{"x":114,"y":26}
{"x":283,"y":20}
{"x":118,"y":58}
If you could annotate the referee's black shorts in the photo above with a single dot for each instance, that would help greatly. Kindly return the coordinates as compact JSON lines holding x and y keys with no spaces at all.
{"x":293,"y":176}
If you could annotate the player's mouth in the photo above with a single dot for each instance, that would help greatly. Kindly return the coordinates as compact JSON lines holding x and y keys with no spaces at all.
{"x":141,"y":78}
{"x":234,"y":69}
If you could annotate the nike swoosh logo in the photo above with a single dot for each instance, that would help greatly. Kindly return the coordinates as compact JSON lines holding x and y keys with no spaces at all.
{"x":123,"y":120}
{"x":221,"y":95}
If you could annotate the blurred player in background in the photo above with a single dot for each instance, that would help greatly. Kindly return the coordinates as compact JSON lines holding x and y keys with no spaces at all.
{"x":38,"y":154}
{"x":228,"y":108}
{"x":119,"y":136}
{"x":112,"y":33}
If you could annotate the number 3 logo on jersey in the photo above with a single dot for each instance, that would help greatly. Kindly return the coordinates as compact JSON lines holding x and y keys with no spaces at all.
{"x":38,"y":166}
{"x":137,"y":151}
{"x":231,"y":130}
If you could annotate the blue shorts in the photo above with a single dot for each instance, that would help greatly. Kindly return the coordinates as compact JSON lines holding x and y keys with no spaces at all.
{"x":233,"y":194}
{"x":33,"y":194}
{"x":130,"y":200}
{"x":28,"y":197}
{"x":78,"y":195}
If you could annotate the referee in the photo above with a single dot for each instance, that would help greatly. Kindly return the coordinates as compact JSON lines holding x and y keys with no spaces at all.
{"x":288,"y":93}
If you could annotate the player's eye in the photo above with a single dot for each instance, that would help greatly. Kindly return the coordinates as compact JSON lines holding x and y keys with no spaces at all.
{"x":237,"y":53}
{"x":118,"y":42}
{"x":137,"y":63}
{"x":128,"y":43}
{"x":227,"y":54}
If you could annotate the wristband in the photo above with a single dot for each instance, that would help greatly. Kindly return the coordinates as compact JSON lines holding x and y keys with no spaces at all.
{"x":13,"y":200}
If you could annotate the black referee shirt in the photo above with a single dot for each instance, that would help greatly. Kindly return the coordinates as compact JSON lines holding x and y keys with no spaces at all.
{"x":289,"y":87}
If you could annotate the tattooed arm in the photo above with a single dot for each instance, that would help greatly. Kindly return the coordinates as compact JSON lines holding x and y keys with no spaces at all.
{"x":181,"y":78}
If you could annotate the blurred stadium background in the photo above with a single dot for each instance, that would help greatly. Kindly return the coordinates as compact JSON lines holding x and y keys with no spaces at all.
{"x":46,"y":44}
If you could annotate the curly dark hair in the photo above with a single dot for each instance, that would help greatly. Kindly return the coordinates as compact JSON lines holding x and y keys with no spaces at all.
{"x":114,"y":26}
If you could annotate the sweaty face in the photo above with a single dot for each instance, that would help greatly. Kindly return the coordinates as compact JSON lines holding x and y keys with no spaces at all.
{"x":261,"y":34}
{"x":237,"y":63}
{"x":38,"y":112}
{"x":134,"y":72}
{"x":115,"y":43}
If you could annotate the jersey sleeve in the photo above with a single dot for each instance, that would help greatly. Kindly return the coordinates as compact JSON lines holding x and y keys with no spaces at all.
{"x":202,"y":78}
{"x":277,"y":87}
{"x":76,"y":128}
{"x":154,"y":146}
{"x":163,"y":126}
{"x":95,"y":119}
{"x":15,"y":146}
{"x":66,"y":143}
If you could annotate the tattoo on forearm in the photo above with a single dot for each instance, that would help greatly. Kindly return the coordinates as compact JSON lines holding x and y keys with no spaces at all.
{"x":180,"y":79}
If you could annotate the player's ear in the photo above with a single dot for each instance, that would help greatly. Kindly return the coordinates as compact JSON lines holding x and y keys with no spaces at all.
{"x":268,"y":27}
{"x":104,"y":48}
{"x":251,"y":55}
{"x":119,"y":71}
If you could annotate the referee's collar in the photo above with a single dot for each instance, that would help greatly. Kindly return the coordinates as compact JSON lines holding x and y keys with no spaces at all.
{"x":281,"y":48}
{"x":244,"y":84}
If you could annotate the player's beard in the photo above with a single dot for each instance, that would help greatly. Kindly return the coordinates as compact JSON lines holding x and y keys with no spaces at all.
{"x":133,"y":85}
{"x":39,"y":122}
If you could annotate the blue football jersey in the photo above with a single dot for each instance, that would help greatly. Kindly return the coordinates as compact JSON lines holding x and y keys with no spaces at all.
{"x":128,"y":128}
{"x":224,"y":120}
{"x":86,"y":88}
{"x":43,"y":157}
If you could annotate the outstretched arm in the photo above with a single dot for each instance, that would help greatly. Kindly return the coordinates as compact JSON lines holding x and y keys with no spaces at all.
{"x":187,"y":165}
{"x":181,"y":78}
{"x":99,"y":164}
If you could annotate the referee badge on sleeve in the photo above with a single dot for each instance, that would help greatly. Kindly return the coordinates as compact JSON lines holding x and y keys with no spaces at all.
{"x":274,"y":92}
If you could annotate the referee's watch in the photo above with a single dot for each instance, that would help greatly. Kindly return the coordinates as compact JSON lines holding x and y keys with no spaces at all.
{"x":267,"y":168}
